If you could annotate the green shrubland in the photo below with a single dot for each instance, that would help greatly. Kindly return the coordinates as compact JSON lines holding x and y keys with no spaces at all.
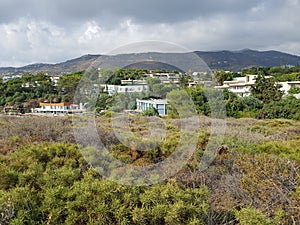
{"x":254,"y":178}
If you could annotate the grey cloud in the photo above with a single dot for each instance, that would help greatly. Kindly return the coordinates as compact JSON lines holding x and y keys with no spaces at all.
{"x":155,"y":11}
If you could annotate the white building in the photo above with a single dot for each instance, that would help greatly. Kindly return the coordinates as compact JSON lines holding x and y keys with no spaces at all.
{"x":286,"y":86}
{"x":113,"y":89}
{"x":166,"y":78}
{"x":160,"y":104}
{"x":240,"y":85}
{"x":133,"y":82}
{"x":9,"y":77}
{"x":59,"y":108}
{"x":54,"y":80}
{"x":200,"y":83}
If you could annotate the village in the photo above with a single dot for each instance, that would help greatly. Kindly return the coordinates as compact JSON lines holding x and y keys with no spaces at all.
{"x":241,"y":86}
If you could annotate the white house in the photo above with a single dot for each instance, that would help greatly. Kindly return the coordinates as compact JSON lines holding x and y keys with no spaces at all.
{"x":113,"y":89}
{"x":160,"y":104}
{"x":240,"y":85}
{"x":196,"y":83}
{"x":166,"y":77}
{"x":59,"y":108}
{"x":133,"y":82}
{"x":132,"y":88}
{"x":286,"y":86}
{"x":54,"y":80}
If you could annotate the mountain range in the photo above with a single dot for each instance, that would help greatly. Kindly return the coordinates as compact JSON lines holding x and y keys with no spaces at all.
{"x":218,"y":60}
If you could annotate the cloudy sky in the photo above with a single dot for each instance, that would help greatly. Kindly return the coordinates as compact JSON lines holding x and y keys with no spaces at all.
{"x":53,"y":31}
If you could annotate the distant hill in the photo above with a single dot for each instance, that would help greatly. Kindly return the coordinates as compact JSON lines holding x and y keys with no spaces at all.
{"x":218,"y":60}
{"x":153,"y":65}
{"x":69,"y":66}
{"x":238,"y":60}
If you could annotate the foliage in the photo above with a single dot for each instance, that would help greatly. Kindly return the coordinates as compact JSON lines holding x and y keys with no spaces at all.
{"x":251,"y":216}
{"x":51,"y":183}
{"x":181,"y":102}
{"x":152,"y":81}
{"x":288,"y":77}
{"x":67,"y":85}
{"x":115,"y":76}
{"x":150,"y":112}
{"x":20,"y":90}
{"x":123,"y":101}
{"x":200,"y":100}
{"x":285,"y":108}
{"x":222,"y":76}
{"x":26,"y":92}
{"x":253,"y":177}
{"x":266,"y":90}
{"x":184,"y":80}
{"x":206,"y":99}
{"x":281,"y":74}
{"x":294,"y":90}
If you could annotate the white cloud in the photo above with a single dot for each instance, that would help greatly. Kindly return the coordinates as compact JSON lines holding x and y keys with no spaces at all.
{"x":93,"y":31}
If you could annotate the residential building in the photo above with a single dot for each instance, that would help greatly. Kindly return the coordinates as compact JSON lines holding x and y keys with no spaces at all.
{"x":196,"y":83}
{"x":286,"y":86}
{"x":133,"y":82}
{"x":166,"y":78}
{"x":113,"y":89}
{"x":240,"y":85}
{"x":59,"y":108}
{"x":54,"y":80}
{"x":9,"y":77}
{"x":160,"y":105}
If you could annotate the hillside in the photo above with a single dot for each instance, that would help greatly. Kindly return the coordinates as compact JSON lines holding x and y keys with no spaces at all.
{"x":238,"y":60}
{"x":69,"y":66}
{"x":153,"y":65}
{"x":218,"y":60}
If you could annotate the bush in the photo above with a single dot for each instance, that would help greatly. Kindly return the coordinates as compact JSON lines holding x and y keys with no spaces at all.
{"x":248,"y":216}
{"x":287,"y":108}
{"x":150,"y":112}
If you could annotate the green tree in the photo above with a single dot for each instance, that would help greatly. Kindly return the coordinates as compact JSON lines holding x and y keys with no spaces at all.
{"x":67,"y":85}
{"x":152,"y":81}
{"x":198,"y":97}
{"x":184,"y":80}
{"x":221,"y":76}
{"x":266,"y":90}
{"x":287,"y":108}
{"x":253,"y":104}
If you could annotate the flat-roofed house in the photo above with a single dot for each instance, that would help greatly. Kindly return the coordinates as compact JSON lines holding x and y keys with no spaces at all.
{"x":60,"y":108}
{"x":240,"y":85}
{"x":160,"y":105}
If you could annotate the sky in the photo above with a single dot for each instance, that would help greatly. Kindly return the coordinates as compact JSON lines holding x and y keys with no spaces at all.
{"x":51,"y":31}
